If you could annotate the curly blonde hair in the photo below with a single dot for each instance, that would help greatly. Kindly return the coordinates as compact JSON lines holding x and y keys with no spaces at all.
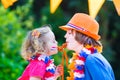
{"x":33,"y":44}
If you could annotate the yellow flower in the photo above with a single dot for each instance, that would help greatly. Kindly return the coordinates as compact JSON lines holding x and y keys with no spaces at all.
{"x":71,"y":74}
{"x":71,"y":66}
{"x":75,"y":56}
{"x":70,"y":78}
{"x":99,"y":49}
{"x":88,"y":46}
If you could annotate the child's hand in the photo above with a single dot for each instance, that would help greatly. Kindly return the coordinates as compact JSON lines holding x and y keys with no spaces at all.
{"x":59,"y":70}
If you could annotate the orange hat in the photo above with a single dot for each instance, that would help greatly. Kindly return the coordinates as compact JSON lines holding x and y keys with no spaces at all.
{"x":83,"y":23}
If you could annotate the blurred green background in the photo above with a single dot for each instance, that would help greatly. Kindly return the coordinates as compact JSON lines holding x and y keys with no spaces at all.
{"x":26,"y":15}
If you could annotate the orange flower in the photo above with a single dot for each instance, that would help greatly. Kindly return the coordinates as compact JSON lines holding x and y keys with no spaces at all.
{"x":71,"y":66}
{"x":70,"y":78}
{"x":88,"y":46}
{"x":75,"y":56}
{"x":35,"y":33}
{"x":99,"y":49}
{"x":7,"y":3}
{"x":71,"y":74}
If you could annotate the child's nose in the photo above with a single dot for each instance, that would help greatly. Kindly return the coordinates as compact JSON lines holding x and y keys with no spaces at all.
{"x":56,"y":42}
{"x":65,"y":35}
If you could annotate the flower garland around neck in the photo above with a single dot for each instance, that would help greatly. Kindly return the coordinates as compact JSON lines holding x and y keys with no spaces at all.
{"x":50,"y":67}
{"x":76,"y":65}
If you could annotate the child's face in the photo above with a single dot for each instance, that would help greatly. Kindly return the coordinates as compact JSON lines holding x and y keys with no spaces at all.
{"x":51,"y":43}
{"x":70,"y":40}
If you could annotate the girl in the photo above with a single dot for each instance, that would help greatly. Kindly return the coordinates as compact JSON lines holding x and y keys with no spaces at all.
{"x":82,"y":37}
{"x":39,"y":45}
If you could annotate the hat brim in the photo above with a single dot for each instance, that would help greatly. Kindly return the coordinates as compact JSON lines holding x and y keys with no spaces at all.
{"x":65,"y":27}
{"x":94,"y":36}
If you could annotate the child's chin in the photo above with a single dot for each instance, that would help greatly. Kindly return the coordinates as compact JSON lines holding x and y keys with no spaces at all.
{"x":55,"y":52}
{"x":69,"y":48}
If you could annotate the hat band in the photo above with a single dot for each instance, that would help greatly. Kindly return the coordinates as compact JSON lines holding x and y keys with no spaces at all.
{"x":76,"y":27}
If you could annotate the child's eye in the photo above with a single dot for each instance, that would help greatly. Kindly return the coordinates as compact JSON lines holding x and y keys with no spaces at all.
{"x":69,"y":33}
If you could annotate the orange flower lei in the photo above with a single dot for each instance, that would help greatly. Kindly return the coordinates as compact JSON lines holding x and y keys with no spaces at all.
{"x":74,"y":63}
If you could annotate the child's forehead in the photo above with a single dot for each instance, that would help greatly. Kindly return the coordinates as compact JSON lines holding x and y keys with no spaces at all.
{"x":50,"y":35}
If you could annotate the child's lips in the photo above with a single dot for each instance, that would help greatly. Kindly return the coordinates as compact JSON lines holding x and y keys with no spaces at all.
{"x":67,"y":42}
{"x":54,"y":47}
